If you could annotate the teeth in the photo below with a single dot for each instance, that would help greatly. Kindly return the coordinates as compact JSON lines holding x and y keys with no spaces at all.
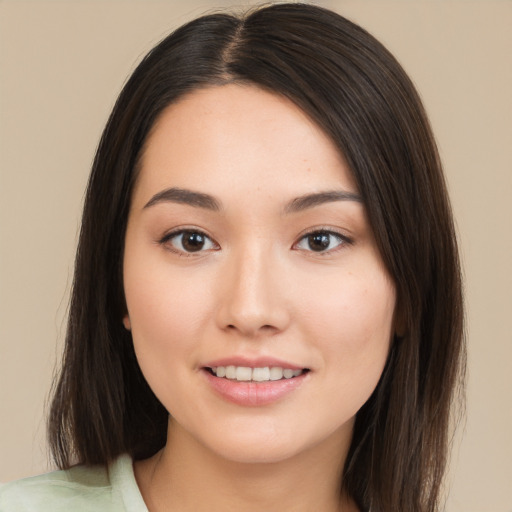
{"x":276,"y":373}
{"x":243,"y":373}
{"x":246,"y":374}
{"x":261,"y":374}
{"x":230,"y":372}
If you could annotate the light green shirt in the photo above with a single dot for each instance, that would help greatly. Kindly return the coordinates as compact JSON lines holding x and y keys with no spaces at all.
{"x":79,"y":489}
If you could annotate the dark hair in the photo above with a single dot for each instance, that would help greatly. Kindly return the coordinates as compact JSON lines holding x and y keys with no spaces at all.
{"x":350,"y":85}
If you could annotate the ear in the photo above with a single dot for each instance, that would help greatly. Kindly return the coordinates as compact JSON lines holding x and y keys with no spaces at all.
{"x":126,"y":322}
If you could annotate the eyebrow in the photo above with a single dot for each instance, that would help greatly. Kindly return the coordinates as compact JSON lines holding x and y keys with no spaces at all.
{"x":208,"y":202}
{"x":311,"y":200}
{"x":184,"y":196}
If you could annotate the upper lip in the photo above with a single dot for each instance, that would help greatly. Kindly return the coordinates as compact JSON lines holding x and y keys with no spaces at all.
{"x":257,"y":362}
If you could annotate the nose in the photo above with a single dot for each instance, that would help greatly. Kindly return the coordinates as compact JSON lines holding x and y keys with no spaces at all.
{"x":252,"y":299}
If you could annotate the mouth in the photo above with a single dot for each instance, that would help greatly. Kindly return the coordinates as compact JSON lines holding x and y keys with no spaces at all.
{"x":259,"y":374}
{"x":259,"y":382}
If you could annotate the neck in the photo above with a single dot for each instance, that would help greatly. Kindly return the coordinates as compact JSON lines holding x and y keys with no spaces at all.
{"x":186,"y":476}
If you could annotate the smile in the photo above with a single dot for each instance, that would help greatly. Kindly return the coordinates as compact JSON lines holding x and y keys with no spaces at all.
{"x":247,"y":374}
{"x":249,"y":386}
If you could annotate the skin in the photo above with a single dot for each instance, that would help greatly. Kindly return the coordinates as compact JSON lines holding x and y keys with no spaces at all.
{"x":256,"y":288}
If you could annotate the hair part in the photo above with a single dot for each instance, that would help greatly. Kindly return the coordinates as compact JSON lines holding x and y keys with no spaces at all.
{"x":356,"y":91}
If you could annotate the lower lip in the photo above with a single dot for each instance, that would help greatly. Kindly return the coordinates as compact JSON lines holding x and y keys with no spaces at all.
{"x":254,"y":393}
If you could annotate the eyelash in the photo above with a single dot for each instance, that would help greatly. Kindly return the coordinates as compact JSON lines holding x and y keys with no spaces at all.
{"x":166,"y":239}
{"x":341,"y":239}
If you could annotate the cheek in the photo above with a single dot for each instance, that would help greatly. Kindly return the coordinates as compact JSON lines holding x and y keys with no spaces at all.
{"x":163,"y":305}
{"x":166,"y":314}
{"x":351,"y":321}
{"x":357,"y":309}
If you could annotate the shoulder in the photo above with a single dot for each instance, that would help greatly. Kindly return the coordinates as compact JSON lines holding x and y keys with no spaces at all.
{"x":80,"y":489}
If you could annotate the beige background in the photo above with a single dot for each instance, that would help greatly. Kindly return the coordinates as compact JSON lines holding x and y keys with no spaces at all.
{"x":62,"y":63}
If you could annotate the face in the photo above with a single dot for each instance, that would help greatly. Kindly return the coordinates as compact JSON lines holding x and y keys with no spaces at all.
{"x":260,"y":309}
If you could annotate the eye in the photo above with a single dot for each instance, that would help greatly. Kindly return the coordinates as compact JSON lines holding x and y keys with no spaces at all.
{"x":321,"y":241}
{"x":188,"y":241}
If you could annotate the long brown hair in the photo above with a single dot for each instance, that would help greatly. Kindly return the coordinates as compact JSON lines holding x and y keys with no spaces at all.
{"x":347,"y":82}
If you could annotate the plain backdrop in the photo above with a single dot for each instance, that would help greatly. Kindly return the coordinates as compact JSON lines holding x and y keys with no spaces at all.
{"x":62,"y":64}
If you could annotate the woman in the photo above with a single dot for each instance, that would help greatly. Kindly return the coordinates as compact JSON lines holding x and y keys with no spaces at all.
{"x":266,"y":311}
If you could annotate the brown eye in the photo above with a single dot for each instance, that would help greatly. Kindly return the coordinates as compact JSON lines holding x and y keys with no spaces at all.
{"x":193,"y":242}
{"x":321,"y":241}
{"x":189,"y":241}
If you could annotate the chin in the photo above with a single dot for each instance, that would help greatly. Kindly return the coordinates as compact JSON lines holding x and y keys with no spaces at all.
{"x":258,"y":452}
{"x":270,"y":445}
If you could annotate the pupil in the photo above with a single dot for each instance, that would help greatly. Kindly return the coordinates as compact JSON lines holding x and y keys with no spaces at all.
{"x":193,"y":241}
{"x":318,"y":241}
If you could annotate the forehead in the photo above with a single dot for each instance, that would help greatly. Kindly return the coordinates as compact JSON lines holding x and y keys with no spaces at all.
{"x":236,"y":137}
